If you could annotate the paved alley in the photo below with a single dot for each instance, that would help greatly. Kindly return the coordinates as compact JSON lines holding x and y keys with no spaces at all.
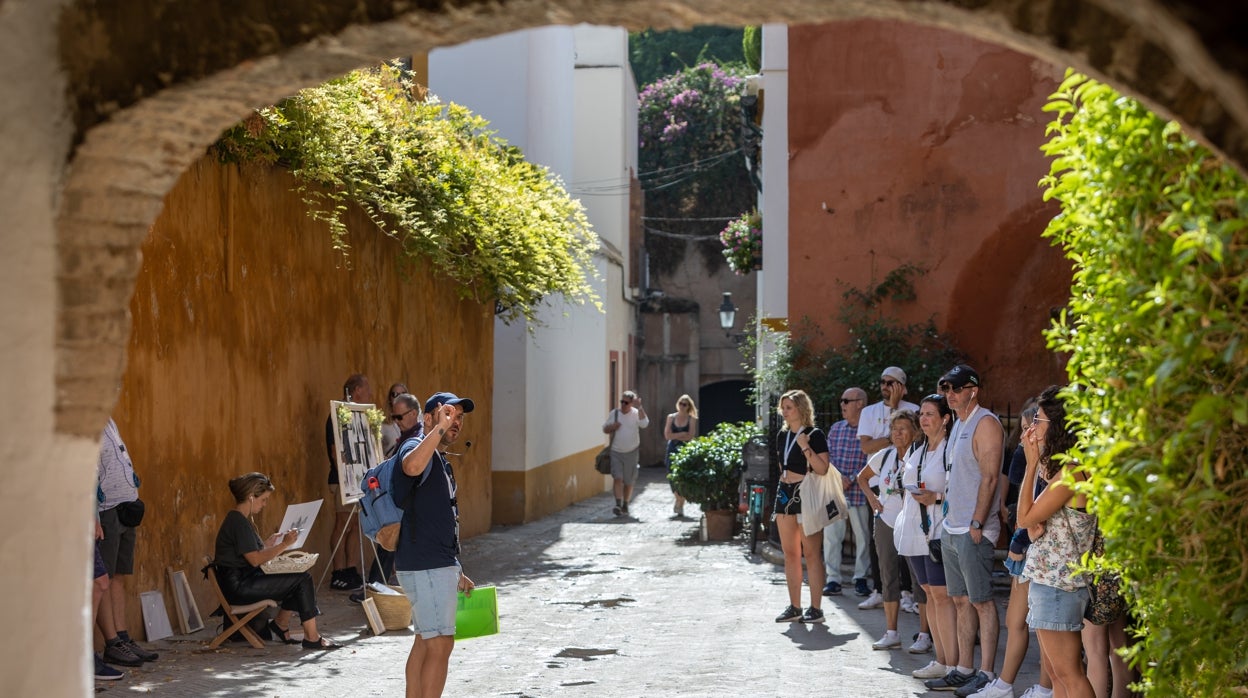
{"x":590,"y":605}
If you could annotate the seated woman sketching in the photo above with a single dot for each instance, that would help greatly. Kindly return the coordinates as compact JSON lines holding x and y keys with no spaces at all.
{"x":240,"y":552}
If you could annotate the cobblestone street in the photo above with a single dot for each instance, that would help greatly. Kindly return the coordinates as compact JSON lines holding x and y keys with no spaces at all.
{"x":590,"y":605}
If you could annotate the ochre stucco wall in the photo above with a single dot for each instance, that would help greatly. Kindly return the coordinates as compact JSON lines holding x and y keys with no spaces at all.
{"x":913,"y":145}
{"x":246,"y":323}
{"x":525,"y":496}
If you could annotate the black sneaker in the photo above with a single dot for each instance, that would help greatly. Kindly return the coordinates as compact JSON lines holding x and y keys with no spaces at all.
{"x":832,"y":589}
{"x":104,"y":672}
{"x":617,"y":510}
{"x":978,"y":681}
{"x":144,"y":654}
{"x":117,"y":652}
{"x":356,"y":597}
{"x":790,"y":615}
{"x":861,"y":588}
{"x":625,"y":508}
{"x":812,"y":615}
{"x":949,"y":682}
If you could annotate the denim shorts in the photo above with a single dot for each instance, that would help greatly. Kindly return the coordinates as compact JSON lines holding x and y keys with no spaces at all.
{"x":433,"y":596}
{"x":1050,"y":608}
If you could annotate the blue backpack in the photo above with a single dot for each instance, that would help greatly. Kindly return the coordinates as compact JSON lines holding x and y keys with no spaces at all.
{"x":380,"y":517}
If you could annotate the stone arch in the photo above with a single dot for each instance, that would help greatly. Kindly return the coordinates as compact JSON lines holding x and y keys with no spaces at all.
{"x":168,"y":106}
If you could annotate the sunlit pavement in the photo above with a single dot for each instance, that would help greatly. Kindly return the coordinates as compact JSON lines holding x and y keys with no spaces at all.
{"x":590,"y":605}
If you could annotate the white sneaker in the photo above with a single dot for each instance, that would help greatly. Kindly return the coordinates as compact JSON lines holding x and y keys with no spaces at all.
{"x":994,"y":689}
{"x":875,"y":600}
{"x":933,"y":670}
{"x":1037,"y":691}
{"x":890,"y":641}
{"x":922,"y":644}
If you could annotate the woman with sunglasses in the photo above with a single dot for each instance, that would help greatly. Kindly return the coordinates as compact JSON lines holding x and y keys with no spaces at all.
{"x":1061,"y":531}
{"x":919,"y":524}
{"x":680,"y":429}
{"x":390,"y":429}
{"x":803,"y":448}
{"x":239,"y":553}
{"x":886,"y":464}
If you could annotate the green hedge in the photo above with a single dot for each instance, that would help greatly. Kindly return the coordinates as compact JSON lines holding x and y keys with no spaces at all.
{"x":1155,"y":330}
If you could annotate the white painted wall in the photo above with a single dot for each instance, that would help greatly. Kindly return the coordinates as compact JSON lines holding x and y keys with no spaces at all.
{"x":48,"y":487}
{"x":566,"y":97}
{"x":773,"y":280}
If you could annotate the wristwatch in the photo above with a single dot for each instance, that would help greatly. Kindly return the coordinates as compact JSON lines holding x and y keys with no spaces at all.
{"x":976,"y":525}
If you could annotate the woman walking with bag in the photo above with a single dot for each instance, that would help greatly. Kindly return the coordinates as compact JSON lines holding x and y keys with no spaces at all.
{"x":803,"y":449}
{"x":1060,"y":534}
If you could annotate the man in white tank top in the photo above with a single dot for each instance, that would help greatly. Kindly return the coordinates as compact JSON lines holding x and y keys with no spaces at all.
{"x":971,"y":528}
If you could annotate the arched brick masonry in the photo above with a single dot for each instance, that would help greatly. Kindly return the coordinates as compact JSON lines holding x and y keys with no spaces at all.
{"x":123,"y":167}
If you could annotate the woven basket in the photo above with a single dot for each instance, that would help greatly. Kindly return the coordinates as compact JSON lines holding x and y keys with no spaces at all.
{"x":395,"y":610}
{"x":290,"y":563}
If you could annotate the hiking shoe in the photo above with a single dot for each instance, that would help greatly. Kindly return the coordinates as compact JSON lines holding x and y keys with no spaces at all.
{"x":104,"y":672}
{"x":995,"y":689}
{"x":951,"y":681}
{"x":875,"y":600}
{"x":117,"y":652}
{"x":861,"y":588}
{"x":790,"y":614}
{"x":890,"y":641}
{"x":832,"y":589}
{"x":922,"y":644}
{"x":144,"y":654}
{"x":933,"y":670}
{"x":813,"y":615}
{"x":978,"y":681}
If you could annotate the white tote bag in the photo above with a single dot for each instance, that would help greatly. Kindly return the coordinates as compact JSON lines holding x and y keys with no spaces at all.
{"x":823,"y":500}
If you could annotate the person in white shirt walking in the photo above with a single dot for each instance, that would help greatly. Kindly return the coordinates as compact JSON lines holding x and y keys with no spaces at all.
{"x":626,"y":424}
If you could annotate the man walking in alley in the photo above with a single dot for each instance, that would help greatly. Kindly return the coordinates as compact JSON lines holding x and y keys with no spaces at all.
{"x":971,"y":528}
{"x":845,"y":453}
{"x":427,"y":558}
{"x":625,"y":424}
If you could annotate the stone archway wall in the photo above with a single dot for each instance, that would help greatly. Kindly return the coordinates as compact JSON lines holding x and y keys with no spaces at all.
{"x":218,"y":67}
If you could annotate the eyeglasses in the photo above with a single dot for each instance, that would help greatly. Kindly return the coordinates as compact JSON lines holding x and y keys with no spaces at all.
{"x":847,"y":400}
{"x":398,"y":417}
{"x":1039,"y":419}
{"x":888,"y":383}
{"x":947,"y":387}
{"x":625,"y":402}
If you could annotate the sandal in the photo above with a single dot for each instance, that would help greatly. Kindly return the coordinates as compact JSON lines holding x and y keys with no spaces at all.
{"x":281,"y":635}
{"x":321,"y":643}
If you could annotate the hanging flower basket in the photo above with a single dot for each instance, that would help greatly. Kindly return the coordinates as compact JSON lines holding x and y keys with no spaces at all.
{"x":743,"y":243}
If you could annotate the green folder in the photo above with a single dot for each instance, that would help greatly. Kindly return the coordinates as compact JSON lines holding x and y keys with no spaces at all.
{"x":476,"y":615}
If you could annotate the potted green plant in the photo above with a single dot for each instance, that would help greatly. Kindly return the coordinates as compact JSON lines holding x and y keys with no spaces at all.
{"x":707,"y":472}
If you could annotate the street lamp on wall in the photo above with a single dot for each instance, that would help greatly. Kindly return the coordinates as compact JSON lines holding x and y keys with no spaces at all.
{"x":727,"y":314}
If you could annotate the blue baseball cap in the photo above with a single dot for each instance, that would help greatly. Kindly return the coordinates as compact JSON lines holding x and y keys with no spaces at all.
{"x":438,"y":399}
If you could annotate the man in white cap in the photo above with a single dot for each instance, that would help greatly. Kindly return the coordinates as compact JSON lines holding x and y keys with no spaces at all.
{"x":873,"y":425}
{"x":874,"y":428}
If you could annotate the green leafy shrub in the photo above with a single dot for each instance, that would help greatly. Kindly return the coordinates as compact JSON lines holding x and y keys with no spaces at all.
{"x":1155,"y":329}
{"x":432,"y":176}
{"x":707,"y":470}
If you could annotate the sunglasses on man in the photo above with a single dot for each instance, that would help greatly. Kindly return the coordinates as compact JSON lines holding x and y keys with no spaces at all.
{"x":947,"y":387}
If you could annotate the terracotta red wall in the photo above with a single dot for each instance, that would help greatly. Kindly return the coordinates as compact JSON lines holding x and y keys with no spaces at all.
{"x":924,"y":147}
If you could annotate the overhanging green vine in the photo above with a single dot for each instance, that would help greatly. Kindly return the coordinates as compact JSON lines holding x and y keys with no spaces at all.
{"x":434,"y":177}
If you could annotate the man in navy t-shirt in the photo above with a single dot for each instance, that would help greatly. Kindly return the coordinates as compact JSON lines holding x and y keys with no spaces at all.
{"x":427,"y":560}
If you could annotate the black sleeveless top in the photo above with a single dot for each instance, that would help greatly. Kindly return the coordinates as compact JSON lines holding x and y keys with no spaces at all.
{"x":791,"y":456}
